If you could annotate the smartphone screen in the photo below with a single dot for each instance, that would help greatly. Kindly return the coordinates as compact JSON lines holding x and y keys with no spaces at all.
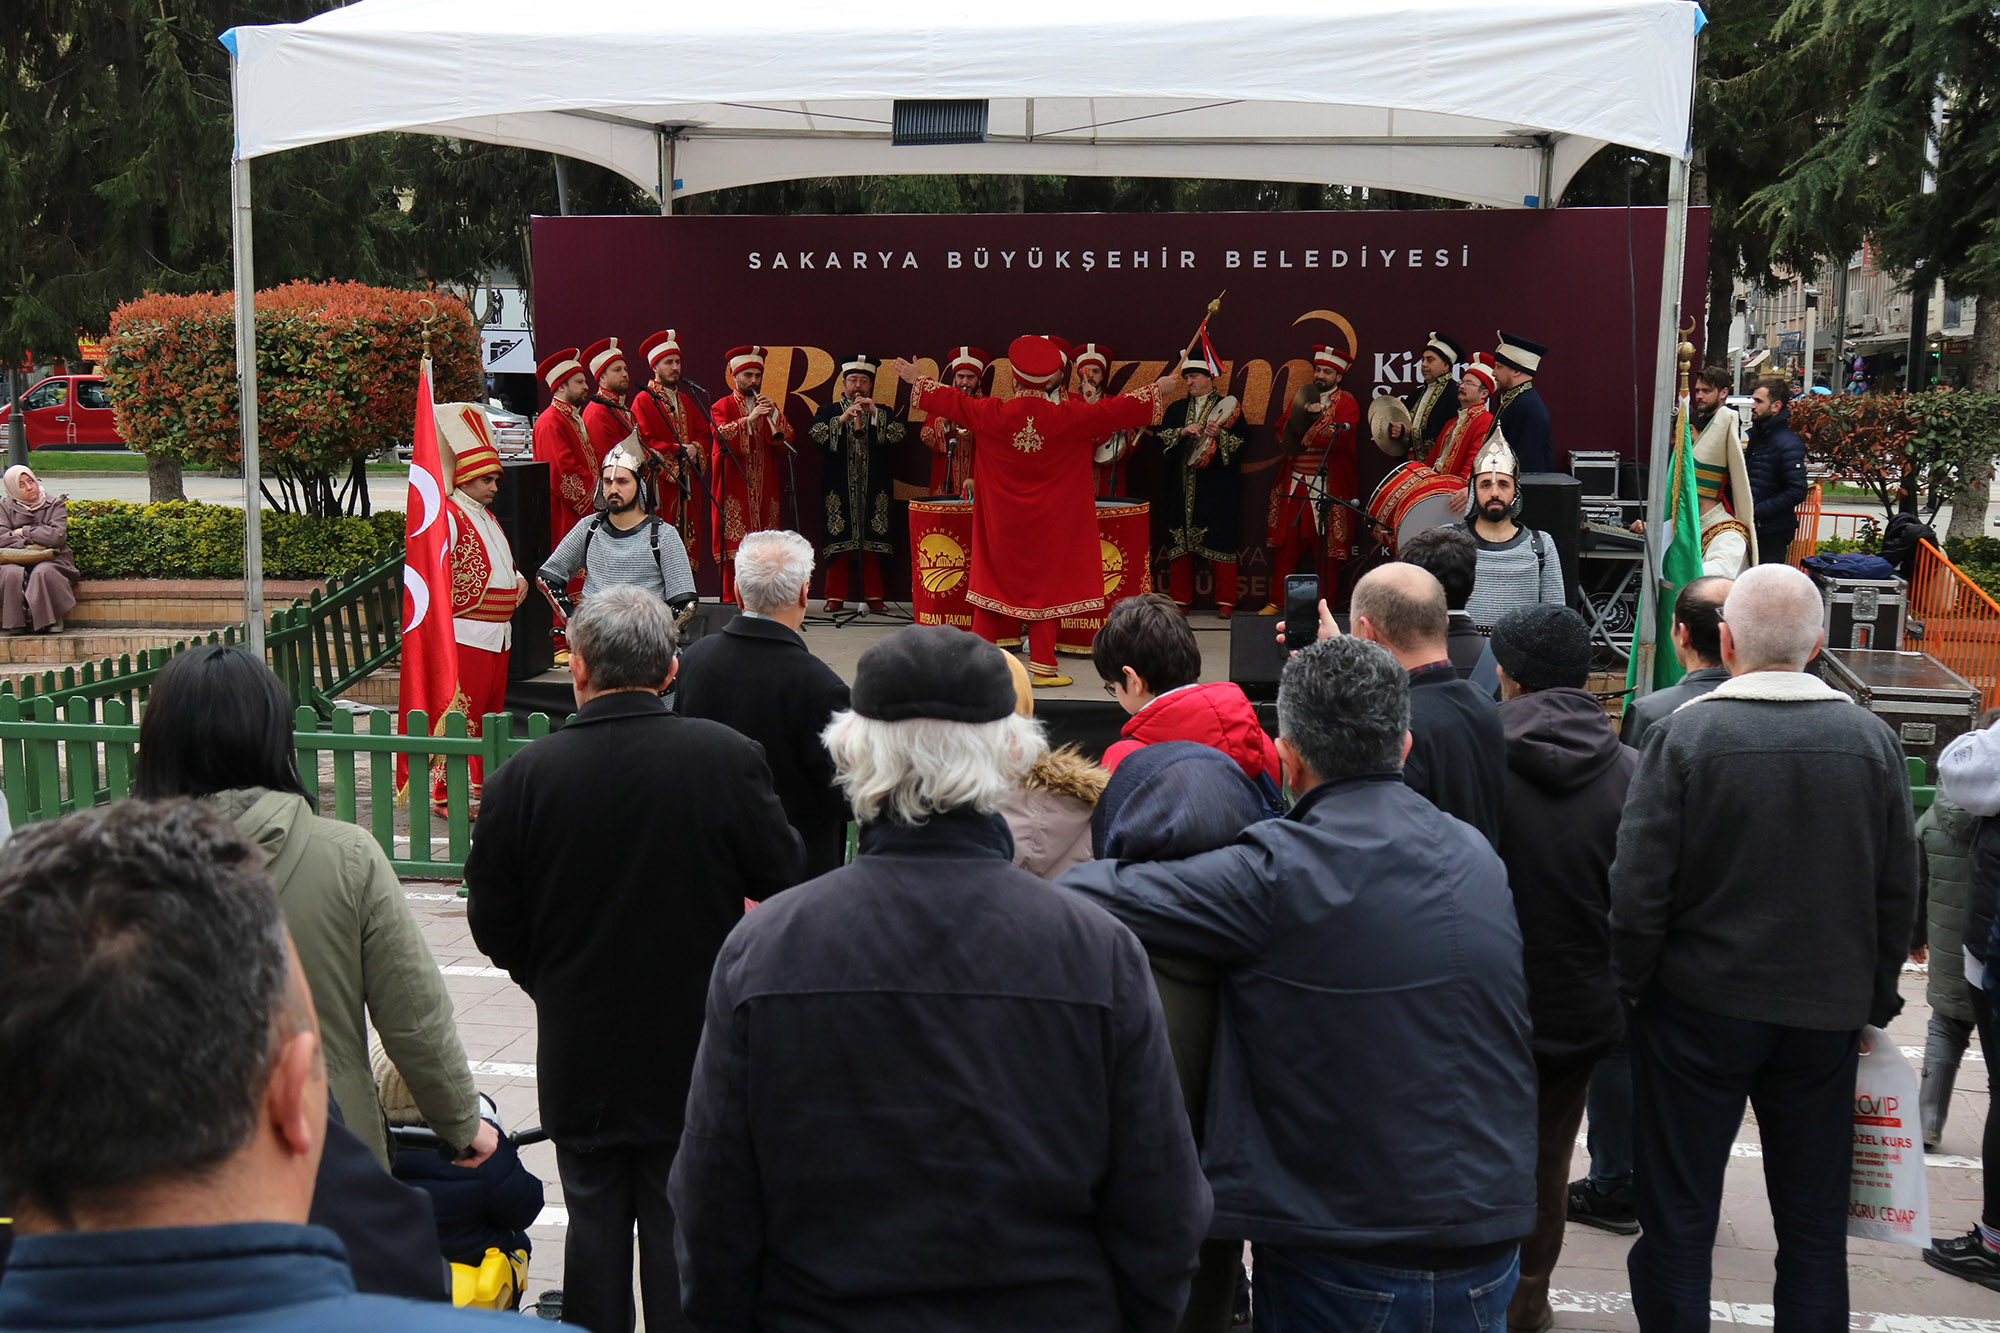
{"x":1301,"y":611}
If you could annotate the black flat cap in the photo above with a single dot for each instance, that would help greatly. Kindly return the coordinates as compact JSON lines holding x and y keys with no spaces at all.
{"x":1544,"y":647}
{"x":933,"y":671}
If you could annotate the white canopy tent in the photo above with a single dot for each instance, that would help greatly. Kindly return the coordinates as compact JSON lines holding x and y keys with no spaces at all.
{"x":1496,"y":102}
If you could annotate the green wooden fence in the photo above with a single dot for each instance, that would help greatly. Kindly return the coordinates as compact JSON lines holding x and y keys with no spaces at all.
{"x":52,"y":765}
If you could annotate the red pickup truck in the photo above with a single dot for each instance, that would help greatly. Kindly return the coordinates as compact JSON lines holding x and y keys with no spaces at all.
{"x":67,"y":412}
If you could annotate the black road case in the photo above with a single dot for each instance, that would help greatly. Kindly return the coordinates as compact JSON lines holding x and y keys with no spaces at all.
{"x":1862,"y":613}
{"x":1927,"y":704}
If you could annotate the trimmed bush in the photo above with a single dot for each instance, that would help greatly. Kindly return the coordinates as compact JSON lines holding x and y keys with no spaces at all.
{"x":116,"y":539}
{"x":336,"y":377}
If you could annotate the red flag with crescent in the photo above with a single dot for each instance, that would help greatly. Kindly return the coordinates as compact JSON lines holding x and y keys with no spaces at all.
{"x":429,"y":649}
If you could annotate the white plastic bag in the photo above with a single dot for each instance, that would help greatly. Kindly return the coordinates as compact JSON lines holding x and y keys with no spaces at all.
{"x":1888,"y":1198}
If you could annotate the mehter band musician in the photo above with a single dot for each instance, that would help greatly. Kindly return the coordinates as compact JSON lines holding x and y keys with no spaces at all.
{"x":1318,"y":436}
{"x":1432,"y":406}
{"x":485,"y":586}
{"x":856,"y":481}
{"x":1520,"y":414}
{"x":745,"y":469}
{"x":607,"y":414}
{"x":1093,"y":369}
{"x":676,"y":432}
{"x":950,"y":443}
{"x":1035,"y":553}
{"x":1202,"y":439}
{"x":562,"y":442}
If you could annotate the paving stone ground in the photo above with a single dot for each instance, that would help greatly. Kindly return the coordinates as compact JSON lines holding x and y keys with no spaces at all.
{"x":1891,"y":1290}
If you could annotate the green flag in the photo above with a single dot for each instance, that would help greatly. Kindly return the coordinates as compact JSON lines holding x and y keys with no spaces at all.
{"x":1680,"y":562}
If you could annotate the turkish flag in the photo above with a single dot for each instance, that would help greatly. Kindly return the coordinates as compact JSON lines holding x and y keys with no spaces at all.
{"x":429,"y":650}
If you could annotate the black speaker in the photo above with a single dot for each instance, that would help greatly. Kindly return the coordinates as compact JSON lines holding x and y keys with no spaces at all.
{"x":522,"y":511}
{"x":1255,"y":655}
{"x":1552,"y":502}
{"x":708,"y":618}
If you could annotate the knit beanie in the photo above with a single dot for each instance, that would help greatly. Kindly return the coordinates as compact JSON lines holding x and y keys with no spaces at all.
{"x":1543,"y":647}
{"x":933,"y":671}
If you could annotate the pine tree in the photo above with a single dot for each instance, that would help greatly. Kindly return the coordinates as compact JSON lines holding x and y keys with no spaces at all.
{"x":1864,"y":174}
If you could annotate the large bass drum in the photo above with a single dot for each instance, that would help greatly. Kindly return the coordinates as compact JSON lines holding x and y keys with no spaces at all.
{"x":1413,"y":497}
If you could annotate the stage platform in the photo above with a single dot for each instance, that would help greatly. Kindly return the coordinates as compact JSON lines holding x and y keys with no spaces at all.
{"x":1078,"y":714}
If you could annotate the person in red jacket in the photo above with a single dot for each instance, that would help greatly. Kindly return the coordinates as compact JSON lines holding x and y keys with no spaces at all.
{"x":1150,"y":664}
{"x":607,"y":413}
{"x":950,"y":443}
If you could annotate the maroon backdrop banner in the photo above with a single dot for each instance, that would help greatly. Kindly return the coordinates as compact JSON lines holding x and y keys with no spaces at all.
{"x":1583,"y":281}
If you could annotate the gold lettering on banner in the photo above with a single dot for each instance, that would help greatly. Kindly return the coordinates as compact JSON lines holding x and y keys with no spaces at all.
{"x":816,"y":370}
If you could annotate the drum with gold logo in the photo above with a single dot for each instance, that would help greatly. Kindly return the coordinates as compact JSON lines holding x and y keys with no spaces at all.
{"x":1413,"y":497}
{"x":1124,"y":540}
{"x":941,"y":561}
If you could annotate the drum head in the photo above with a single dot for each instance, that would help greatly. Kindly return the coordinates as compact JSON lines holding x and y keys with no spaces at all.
{"x":1433,"y":511}
{"x":1384,"y":412}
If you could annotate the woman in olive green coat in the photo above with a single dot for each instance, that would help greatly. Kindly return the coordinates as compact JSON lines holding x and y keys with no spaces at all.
{"x":218,"y":727}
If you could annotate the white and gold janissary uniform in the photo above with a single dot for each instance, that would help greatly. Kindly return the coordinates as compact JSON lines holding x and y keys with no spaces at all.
{"x":1728,"y":543}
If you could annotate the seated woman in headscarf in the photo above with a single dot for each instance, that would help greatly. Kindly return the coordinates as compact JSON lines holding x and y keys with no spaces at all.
{"x":38,"y":577}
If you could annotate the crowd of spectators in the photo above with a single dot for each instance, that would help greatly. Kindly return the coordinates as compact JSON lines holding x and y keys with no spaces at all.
{"x":1057,"y":1042}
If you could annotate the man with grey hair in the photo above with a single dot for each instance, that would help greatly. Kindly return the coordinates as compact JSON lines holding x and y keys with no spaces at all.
{"x":935,"y":1092}
{"x":610,"y":862}
{"x":1366,"y":940}
{"x":1762,"y":901}
{"x":759,"y":677}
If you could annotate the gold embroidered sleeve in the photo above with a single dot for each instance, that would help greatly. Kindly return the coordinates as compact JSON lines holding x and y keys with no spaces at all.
{"x":825,"y":435}
{"x":1227,"y":442}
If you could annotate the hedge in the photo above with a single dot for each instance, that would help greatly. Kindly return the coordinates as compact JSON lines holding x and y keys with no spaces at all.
{"x":184,"y":539}
{"x":1978,"y":558}
{"x":336,"y":372}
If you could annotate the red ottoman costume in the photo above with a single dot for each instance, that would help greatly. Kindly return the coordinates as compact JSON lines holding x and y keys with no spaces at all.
{"x":1294,"y":533}
{"x":951,"y":445}
{"x":1035,"y":554}
{"x":607,"y":418}
{"x":485,"y":587}
{"x":744,"y":468}
{"x":676,"y":431}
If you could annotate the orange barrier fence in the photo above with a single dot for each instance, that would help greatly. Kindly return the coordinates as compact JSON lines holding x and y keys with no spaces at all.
{"x":1805,"y":537}
{"x":1952,"y":618}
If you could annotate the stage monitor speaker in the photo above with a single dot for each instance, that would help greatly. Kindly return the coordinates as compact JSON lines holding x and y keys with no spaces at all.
{"x":1255,"y":657}
{"x":522,"y":510}
{"x":708,"y":618}
{"x":1552,"y":502}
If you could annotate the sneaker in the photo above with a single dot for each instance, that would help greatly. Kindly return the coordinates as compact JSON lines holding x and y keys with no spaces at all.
{"x":548,"y":1306}
{"x":1967,"y":1257}
{"x":1607,"y":1211}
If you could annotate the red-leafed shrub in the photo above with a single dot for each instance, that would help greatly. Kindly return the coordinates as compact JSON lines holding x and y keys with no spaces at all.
{"x":336,"y":379}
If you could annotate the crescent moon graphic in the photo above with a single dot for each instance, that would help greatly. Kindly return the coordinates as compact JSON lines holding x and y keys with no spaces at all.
{"x":1339,"y":321}
{"x":419,"y":594}
{"x":426,"y":486}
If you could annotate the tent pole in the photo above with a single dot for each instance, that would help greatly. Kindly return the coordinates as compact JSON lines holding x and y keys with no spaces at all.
{"x":246,"y":374}
{"x":1673,"y":255}
{"x":668,"y":164}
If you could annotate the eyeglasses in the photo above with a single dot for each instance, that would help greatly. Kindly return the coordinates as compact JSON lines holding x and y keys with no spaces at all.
{"x":1111,"y":689}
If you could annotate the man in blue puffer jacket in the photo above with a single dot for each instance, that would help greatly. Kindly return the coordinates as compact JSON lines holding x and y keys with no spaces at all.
{"x":1776,"y":461}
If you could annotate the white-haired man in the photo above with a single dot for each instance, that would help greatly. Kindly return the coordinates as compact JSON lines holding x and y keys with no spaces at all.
{"x":759,"y":678}
{"x":934,"y":1092}
{"x":1761,"y":907}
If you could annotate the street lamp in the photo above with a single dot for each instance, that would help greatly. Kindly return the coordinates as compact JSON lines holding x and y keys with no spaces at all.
{"x":1812,"y":322}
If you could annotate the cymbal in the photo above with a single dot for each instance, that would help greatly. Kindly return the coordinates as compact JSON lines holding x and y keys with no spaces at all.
{"x":1384,"y":412}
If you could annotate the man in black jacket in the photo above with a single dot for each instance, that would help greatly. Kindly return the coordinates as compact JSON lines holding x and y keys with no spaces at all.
{"x":610,"y":861}
{"x":1366,"y":941}
{"x":759,"y":678}
{"x":934,"y":1092}
{"x":1565,"y":788}
{"x":1776,"y":461}
{"x":1456,"y":750}
{"x":1698,"y":648}
{"x":1452,"y":557}
{"x":1756,"y":948}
